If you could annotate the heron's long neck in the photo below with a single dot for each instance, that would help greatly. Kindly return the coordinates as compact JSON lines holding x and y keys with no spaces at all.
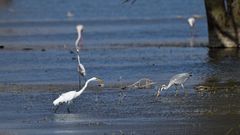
{"x":83,"y":88}
{"x":168,"y":86}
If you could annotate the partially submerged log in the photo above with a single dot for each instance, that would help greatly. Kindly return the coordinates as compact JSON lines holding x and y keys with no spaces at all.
{"x":143,"y":83}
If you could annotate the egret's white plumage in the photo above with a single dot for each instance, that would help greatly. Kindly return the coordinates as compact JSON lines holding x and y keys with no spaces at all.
{"x":178,"y":79}
{"x":79,"y":38}
{"x":78,"y":45}
{"x":191,"y":21}
{"x":69,"y":96}
{"x":81,"y":68}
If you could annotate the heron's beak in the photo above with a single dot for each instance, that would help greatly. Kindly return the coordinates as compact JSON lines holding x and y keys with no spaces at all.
{"x":159,"y":91}
{"x":101,"y":82}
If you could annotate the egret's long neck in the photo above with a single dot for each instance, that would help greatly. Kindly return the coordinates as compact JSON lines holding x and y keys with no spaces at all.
{"x":79,"y":62}
{"x":83,"y":88}
{"x":78,"y":38}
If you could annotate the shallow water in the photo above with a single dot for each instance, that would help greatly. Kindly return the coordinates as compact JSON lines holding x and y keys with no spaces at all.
{"x":130,"y":64}
{"x":140,"y":112}
{"x":35,"y":23}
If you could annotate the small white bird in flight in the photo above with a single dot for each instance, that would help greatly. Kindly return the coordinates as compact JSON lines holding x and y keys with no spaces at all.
{"x":178,"y":79}
{"x":69,"y":96}
{"x":191,"y":21}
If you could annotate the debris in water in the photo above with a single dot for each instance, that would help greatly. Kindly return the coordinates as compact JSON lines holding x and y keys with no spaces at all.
{"x":27,"y":49}
{"x":1,"y":46}
{"x":143,"y":83}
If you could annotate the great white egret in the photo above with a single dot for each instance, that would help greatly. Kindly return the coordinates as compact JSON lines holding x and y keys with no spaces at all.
{"x":178,"y":79}
{"x":69,"y":96}
{"x":78,"y":45}
{"x":191,"y":22}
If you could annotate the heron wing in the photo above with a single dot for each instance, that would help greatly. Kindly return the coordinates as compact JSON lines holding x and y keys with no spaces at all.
{"x":179,"y":78}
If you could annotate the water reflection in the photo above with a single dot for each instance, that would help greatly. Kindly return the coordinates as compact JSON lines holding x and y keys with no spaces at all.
{"x":68,"y":118}
{"x":225,"y":64}
{"x":217,"y":55}
{"x":192,"y":41}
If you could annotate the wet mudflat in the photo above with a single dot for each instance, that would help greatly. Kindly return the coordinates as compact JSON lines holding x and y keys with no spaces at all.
{"x":140,"y":112}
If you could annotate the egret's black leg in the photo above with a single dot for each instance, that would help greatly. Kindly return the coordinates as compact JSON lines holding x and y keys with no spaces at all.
{"x":68,"y":109}
{"x":84,"y":78}
{"x":55,"y":110}
{"x":79,"y":82}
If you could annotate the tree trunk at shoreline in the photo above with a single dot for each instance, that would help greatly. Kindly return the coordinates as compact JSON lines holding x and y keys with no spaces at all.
{"x":223,"y":22}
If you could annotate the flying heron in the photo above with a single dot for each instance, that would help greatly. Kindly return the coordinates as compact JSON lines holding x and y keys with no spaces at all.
{"x":68,"y":97}
{"x":178,"y":79}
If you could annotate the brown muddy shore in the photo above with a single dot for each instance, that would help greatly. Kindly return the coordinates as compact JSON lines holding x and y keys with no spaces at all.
{"x":32,"y":79}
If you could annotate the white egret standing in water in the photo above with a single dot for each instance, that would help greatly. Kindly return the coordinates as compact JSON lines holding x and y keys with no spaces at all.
{"x":178,"y":79}
{"x":191,"y":22}
{"x":78,"y":42}
{"x":81,"y":68}
{"x":81,"y":71}
{"x":78,"y":45}
{"x":69,"y":96}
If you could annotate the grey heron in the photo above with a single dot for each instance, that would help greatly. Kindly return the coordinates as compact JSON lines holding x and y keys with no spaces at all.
{"x":68,"y":97}
{"x":178,"y":79}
